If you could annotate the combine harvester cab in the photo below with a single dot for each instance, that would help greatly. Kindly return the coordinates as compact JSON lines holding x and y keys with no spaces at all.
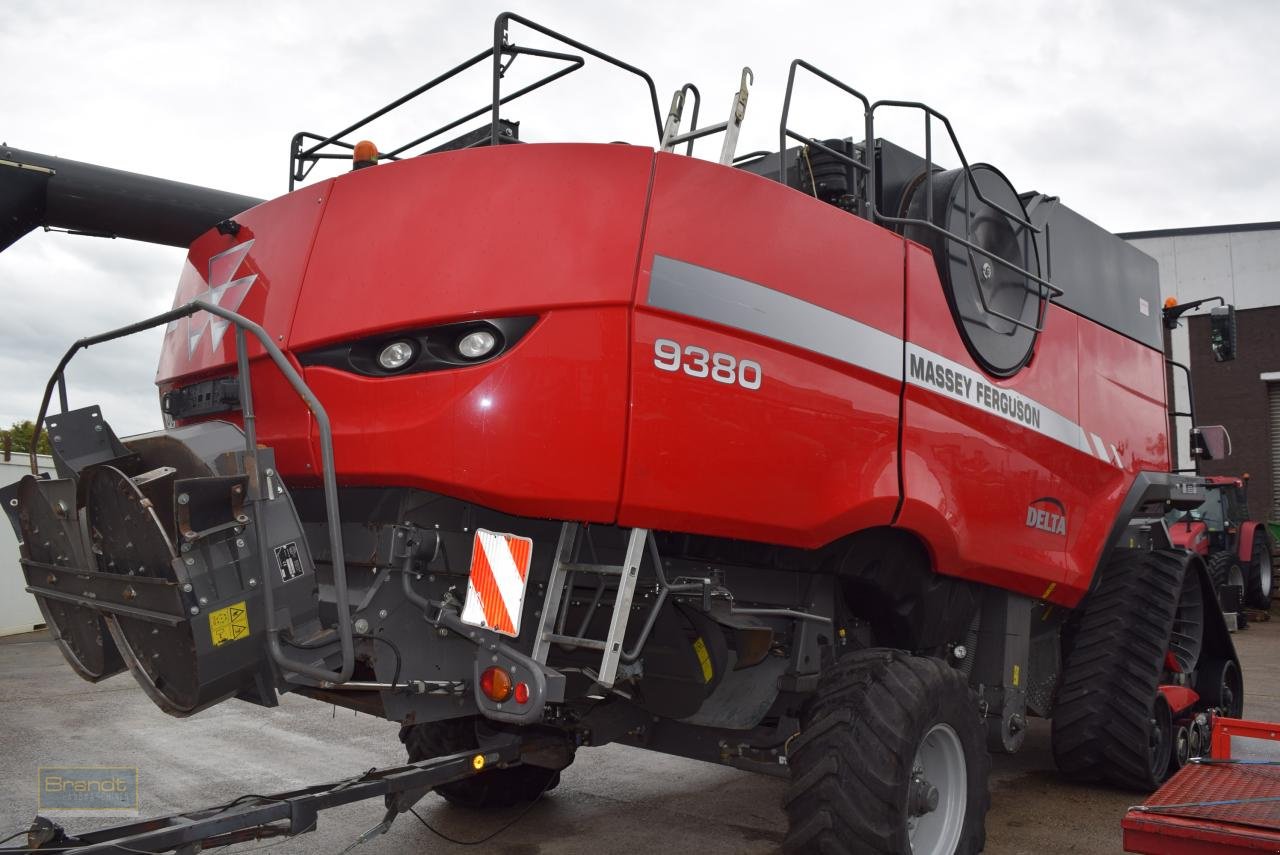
{"x":771,"y":462}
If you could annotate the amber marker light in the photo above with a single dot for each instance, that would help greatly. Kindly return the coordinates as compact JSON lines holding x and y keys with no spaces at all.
{"x":365,"y":154}
{"x":495,"y":683}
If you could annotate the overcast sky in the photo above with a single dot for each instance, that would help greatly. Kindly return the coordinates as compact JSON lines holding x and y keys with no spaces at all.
{"x":1138,"y":114}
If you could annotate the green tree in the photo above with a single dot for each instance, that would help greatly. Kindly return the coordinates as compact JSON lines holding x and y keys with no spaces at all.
{"x":19,"y":437}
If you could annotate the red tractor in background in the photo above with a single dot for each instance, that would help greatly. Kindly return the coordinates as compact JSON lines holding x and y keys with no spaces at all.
{"x":1235,"y":548}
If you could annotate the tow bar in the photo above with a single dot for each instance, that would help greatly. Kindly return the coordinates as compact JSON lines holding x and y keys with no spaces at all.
{"x":280,"y":815}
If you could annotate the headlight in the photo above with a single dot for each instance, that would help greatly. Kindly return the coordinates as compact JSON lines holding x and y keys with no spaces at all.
{"x":423,"y":349}
{"x":396,"y":355}
{"x":476,"y":345}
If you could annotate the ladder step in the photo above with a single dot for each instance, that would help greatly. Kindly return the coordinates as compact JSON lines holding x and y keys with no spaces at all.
{"x":589,"y":643}
{"x":601,"y":569}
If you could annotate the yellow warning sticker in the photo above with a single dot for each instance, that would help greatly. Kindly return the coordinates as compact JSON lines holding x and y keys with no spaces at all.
{"x":1017,"y":675}
{"x":229,"y":624}
{"x":704,"y":658}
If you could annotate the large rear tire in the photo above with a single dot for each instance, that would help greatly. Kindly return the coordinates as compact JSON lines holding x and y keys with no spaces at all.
{"x":495,"y":788}
{"x":1257,"y":589}
{"x":1109,"y":722}
{"x":891,"y":758}
{"x":1224,"y":569}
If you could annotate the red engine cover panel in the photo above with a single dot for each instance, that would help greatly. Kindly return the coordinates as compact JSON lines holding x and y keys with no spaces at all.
{"x":548,"y":230}
{"x":1017,"y":482}
{"x":975,"y":478}
{"x":779,"y":283}
{"x":714,"y":353}
{"x":256,"y":273}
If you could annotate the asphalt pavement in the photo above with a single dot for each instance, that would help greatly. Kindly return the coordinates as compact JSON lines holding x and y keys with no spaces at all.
{"x":613,"y":799}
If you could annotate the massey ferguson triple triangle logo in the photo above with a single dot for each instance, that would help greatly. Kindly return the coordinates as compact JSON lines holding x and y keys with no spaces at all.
{"x":223,"y":289}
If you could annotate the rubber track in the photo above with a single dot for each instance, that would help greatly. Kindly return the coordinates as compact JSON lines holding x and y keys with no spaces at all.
{"x":491,"y":789}
{"x":1112,"y":669}
{"x":848,"y":784}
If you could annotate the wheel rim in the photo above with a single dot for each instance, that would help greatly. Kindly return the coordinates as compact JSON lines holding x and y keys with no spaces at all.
{"x":938,"y":793}
{"x":1235,"y":576}
{"x":1264,"y":566}
{"x":1231,"y":687}
{"x":1181,"y":747}
{"x":1160,"y":739}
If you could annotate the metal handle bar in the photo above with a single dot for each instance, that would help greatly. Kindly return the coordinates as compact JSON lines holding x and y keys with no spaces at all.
{"x":1023,"y":223}
{"x":677,"y":108}
{"x":868,"y":168}
{"x":298,"y":172}
{"x":931,"y":114}
{"x":1044,"y":290}
{"x":574,"y":63}
{"x":303,"y":159}
{"x":243,"y":325}
{"x":500,"y":26}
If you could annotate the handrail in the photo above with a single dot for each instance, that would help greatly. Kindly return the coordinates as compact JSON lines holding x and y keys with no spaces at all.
{"x":1024,"y":224}
{"x":500,"y":26}
{"x":332,"y":518}
{"x":868,"y":169}
{"x":672,"y":127}
{"x":307,"y":148}
{"x":868,"y":205}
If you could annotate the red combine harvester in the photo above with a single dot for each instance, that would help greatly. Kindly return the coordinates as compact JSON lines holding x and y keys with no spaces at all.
{"x":824,"y":462}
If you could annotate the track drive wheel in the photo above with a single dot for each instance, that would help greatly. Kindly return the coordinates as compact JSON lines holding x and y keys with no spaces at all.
{"x":1257,"y":587}
{"x":1221,"y":686}
{"x":495,"y":788}
{"x":891,"y":758}
{"x":1110,"y":722}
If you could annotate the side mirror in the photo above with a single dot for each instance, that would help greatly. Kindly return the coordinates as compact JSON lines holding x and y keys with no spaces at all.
{"x":1210,"y":442}
{"x":1222,"y":332}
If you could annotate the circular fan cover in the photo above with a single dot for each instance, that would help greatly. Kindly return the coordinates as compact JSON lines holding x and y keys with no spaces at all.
{"x":983,"y":294}
{"x":129,"y":539}
{"x":51,"y":536}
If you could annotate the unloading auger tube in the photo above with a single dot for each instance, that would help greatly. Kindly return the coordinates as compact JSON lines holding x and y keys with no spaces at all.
{"x":256,"y":497}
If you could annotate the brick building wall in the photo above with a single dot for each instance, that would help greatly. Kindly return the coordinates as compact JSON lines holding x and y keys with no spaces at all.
{"x":1232,"y":394}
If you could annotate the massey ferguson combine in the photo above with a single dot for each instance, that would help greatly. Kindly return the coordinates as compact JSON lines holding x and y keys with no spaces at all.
{"x":825,"y":462}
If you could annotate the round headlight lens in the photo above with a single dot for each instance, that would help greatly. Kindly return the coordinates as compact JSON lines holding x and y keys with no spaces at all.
{"x":477,"y":344}
{"x":396,"y":355}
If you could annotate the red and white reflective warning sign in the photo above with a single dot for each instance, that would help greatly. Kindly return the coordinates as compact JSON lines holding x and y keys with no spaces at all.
{"x":499,"y":576}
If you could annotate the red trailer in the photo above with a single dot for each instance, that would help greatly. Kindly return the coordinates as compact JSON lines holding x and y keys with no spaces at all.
{"x":1226,"y":804}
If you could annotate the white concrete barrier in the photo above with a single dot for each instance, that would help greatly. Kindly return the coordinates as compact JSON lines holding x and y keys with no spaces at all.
{"x":18,"y":610}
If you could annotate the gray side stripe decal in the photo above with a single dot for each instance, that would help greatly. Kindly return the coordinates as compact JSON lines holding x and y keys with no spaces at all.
{"x":723,"y":299}
{"x":700,"y":292}
{"x":936,"y":373}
